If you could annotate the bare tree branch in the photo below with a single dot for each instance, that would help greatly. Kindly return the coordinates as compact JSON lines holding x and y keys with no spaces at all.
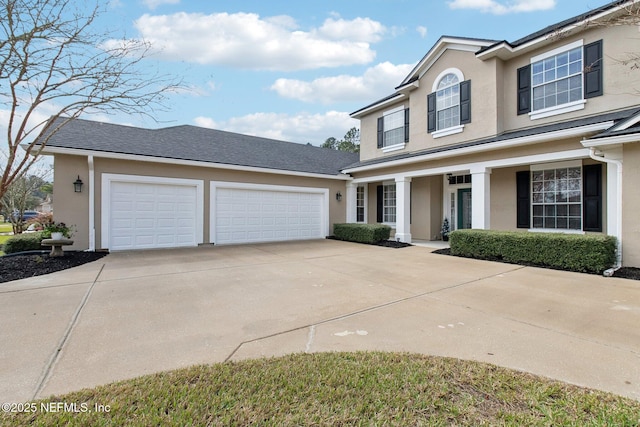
{"x":55,"y":66}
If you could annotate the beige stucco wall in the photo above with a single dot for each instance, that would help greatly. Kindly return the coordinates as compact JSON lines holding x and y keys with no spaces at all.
{"x":73,"y":208}
{"x":631,"y":205}
{"x":494,"y":96}
{"x":621,"y":83}
{"x":68,"y":206}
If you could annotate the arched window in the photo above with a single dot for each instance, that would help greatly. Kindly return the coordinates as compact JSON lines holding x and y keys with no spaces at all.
{"x":448,"y":102}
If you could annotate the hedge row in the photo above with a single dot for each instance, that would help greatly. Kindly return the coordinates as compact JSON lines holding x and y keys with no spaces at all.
{"x":588,"y":253}
{"x":362,"y":233}
{"x":23,"y":242}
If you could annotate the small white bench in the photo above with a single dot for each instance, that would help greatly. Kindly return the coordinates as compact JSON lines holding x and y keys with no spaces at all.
{"x":56,"y":246}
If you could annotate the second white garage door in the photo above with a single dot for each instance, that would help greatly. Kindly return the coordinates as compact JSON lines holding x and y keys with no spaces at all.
{"x":251,"y":213}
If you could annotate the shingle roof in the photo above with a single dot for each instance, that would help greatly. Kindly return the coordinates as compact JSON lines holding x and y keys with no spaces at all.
{"x":615,"y":116}
{"x":200,"y":144}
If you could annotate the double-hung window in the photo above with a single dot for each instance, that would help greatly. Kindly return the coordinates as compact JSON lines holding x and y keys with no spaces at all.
{"x":448,"y":102}
{"x":449,"y":105}
{"x":557,"y":80}
{"x":393,"y":129}
{"x":561,"y":80}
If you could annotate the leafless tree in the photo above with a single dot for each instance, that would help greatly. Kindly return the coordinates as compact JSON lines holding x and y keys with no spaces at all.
{"x":627,"y":12}
{"x":55,"y":64}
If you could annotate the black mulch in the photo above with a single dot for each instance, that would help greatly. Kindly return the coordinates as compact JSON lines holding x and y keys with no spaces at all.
{"x":384,"y":243}
{"x":624,"y":273}
{"x":16,"y":267}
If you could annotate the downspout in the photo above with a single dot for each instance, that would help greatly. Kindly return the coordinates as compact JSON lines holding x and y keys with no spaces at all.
{"x":618,"y":235}
{"x":92,"y":219}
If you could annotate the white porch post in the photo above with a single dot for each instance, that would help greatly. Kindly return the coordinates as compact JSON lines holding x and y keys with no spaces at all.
{"x":481,"y":198}
{"x":351,"y":202}
{"x":403,"y":209}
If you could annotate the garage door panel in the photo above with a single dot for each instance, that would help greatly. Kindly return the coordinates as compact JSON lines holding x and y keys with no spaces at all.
{"x":148,"y":215}
{"x":244,"y":215}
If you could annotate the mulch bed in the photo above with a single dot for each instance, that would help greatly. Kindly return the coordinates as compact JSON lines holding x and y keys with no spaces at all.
{"x":15,"y":267}
{"x":383,"y":243}
{"x":632,"y":273}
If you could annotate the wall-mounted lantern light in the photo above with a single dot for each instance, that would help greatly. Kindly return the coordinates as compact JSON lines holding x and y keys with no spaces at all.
{"x":77,"y":185}
{"x":338,"y":196}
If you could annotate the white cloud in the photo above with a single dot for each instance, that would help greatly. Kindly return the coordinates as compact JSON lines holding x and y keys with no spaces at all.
{"x":422,"y":31}
{"x":376,"y":82}
{"x":152,"y":4}
{"x":501,"y":8}
{"x":302,"y":128}
{"x":246,"y":40}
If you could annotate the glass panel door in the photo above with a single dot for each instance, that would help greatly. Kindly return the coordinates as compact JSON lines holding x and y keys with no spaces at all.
{"x":464,"y":208}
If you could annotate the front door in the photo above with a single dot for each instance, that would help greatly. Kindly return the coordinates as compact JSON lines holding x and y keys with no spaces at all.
{"x":464,"y":208}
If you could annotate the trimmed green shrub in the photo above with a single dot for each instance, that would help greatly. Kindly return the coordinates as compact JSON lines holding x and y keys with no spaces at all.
{"x":361,"y":233}
{"x":588,"y":253}
{"x":23,"y":242}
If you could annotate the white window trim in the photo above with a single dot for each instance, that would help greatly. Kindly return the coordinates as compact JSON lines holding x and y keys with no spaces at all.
{"x":448,"y":131}
{"x":394,"y":147}
{"x":558,"y":109}
{"x":555,"y":230}
{"x":454,"y":71}
{"x":558,"y":50}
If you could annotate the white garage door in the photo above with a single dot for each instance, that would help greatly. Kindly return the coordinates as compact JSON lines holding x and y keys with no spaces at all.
{"x":145,"y":215}
{"x":246,"y":213}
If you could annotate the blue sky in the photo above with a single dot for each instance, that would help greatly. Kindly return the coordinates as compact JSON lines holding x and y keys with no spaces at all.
{"x":295,"y":70}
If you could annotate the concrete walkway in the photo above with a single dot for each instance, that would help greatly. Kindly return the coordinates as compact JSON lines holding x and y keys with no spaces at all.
{"x":131,"y":314}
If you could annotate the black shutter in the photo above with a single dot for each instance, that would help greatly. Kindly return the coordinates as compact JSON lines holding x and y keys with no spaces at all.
{"x":431,"y":112}
{"x":380,"y":132}
{"x":524,"y":90}
{"x":593,"y":70}
{"x":523,"y":203}
{"x":592,"y":197}
{"x":465,"y":102}
{"x":379,"y":203}
{"x":406,"y":125}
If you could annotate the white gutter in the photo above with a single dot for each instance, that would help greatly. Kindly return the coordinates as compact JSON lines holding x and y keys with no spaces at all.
{"x":618,"y":235}
{"x":92,"y":213}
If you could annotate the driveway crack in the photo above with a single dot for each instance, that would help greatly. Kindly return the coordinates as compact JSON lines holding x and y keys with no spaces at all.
{"x":48,"y":369}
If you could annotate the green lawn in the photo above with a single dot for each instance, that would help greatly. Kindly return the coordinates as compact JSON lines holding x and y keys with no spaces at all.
{"x":340,"y":389}
{"x":3,"y":238}
{"x":5,"y":227}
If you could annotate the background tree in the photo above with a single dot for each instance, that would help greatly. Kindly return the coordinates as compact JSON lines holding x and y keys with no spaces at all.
{"x":350,"y":142}
{"x":55,"y":65}
{"x":24,"y":193}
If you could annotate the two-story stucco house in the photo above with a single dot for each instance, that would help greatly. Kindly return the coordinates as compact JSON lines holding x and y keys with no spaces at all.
{"x":538,"y":134}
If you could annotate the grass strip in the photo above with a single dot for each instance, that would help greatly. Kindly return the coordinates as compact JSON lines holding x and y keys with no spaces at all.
{"x":362,"y":388}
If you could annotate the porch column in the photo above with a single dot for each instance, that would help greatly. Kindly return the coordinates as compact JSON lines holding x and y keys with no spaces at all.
{"x":351,"y":202}
{"x":481,"y":198}
{"x":403,"y":209}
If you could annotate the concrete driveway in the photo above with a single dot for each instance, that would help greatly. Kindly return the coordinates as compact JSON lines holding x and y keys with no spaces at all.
{"x":131,"y":314}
